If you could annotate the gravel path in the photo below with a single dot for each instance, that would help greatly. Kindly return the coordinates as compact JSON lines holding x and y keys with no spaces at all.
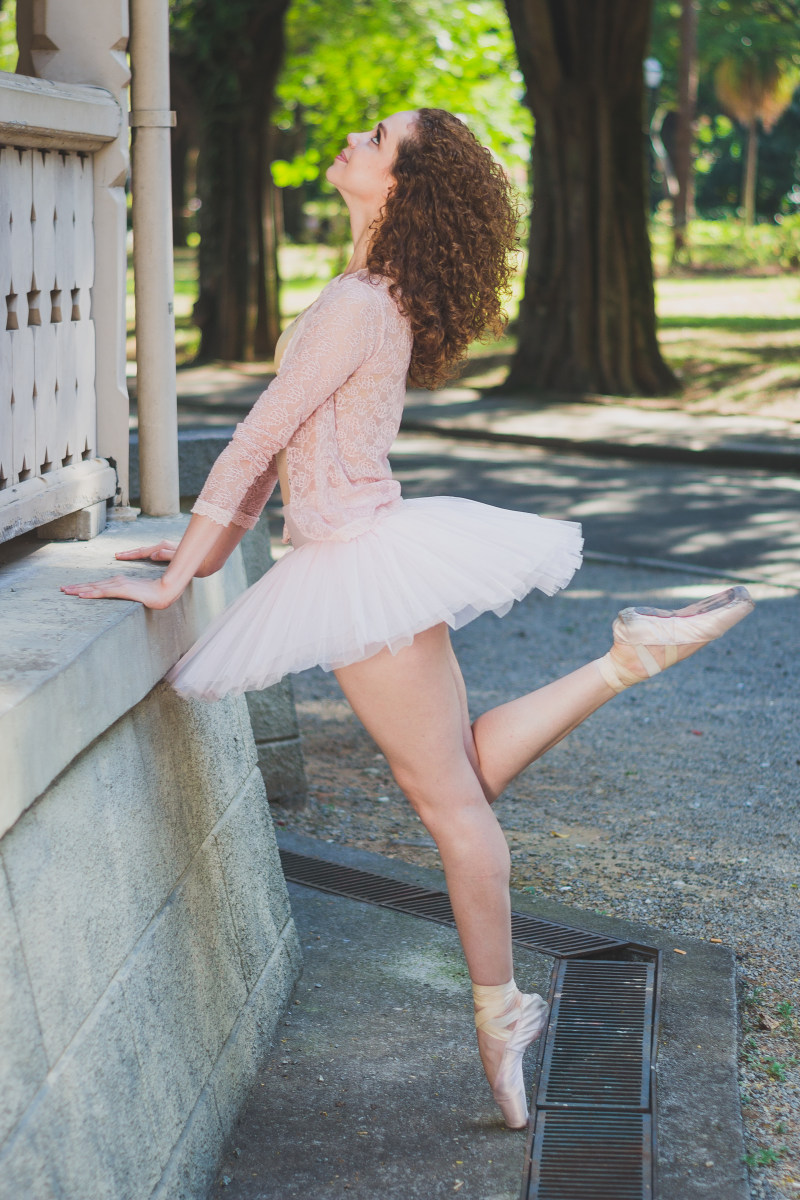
{"x":677,"y":802}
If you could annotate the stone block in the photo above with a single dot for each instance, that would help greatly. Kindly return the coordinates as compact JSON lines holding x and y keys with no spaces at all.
{"x":204,"y":753}
{"x":272,"y":712}
{"x":23,"y":1064}
{"x":283,"y":771}
{"x":110,"y":655}
{"x":143,"y":824}
{"x":87,"y":869}
{"x":89,"y":1132}
{"x":29,"y":1159}
{"x":257,"y":551}
{"x":254,"y":1032}
{"x":184,"y":988}
{"x":80,"y":526}
{"x":190,"y":1171}
{"x":251,"y":878}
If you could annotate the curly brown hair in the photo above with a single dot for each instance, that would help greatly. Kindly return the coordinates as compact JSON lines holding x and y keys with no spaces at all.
{"x":445,"y":239}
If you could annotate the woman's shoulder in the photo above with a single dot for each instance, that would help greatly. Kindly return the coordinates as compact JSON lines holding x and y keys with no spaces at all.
{"x":361,"y":283}
{"x":359,"y":293}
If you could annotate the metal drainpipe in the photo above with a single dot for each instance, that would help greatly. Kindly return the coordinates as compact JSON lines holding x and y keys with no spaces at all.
{"x":151,"y":120}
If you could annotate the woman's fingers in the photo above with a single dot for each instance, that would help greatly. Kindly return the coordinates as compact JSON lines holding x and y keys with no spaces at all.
{"x":151,"y":592}
{"x":96,"y":587}
{"x":161,"y":552}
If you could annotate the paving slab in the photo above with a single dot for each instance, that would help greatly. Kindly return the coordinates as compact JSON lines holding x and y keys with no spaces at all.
{"x":608,"y":427}
{"x":374,"y":1086}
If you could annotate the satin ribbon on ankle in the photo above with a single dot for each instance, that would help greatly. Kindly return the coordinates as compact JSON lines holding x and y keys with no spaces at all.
{"x":495,"y":1010}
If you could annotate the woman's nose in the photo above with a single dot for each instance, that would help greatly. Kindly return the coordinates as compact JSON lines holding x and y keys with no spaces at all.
{"x":352,"y":138}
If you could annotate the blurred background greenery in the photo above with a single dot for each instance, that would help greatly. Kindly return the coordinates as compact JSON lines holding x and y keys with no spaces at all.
{"x":266,"y":91}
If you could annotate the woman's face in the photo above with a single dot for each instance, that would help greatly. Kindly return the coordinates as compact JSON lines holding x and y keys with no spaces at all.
{"x":362,"y":172}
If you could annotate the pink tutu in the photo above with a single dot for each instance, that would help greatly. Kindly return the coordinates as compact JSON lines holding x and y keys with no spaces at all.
{"x":333,"y":603}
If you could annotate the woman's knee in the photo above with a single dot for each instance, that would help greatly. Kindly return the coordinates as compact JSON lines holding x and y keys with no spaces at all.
{"x":442,"y":788}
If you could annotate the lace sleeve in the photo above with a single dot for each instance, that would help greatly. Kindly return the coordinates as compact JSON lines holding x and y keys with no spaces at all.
{"x":340,"y":331}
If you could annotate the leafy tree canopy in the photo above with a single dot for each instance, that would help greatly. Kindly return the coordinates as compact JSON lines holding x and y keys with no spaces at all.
{"x":727,"y":29}
{"x":350,"y":62}
{"x":8,"y":35}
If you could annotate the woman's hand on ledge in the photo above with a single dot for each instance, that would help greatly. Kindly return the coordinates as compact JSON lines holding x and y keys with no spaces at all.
{"x":161,"y":552}
{"x":152,"y":593}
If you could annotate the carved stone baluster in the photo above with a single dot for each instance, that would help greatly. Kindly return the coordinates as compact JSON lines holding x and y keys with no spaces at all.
{"x":84,"y":328}
{"x":84,"y":41}
{"x":23,"y":431}
{"x":46,"y":177}
{"x":9,"y":160}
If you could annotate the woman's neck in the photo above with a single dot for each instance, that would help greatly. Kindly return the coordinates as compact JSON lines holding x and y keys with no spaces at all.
{"x":362,"y":223}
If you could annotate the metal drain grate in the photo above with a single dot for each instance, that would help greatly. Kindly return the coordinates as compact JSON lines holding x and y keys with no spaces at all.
{"x":597,"y":1053}
{"x":560,"y":941}
{"x":591,"y":1156}
{"x":592,"y":1131}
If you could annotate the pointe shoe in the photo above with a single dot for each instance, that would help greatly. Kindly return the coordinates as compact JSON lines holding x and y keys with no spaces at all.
{"x":695,"y":625}
{"x":519,"y":1026}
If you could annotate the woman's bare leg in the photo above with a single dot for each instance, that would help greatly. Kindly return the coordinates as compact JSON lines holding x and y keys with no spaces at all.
{"x":505,"y":740}
{"x":513,"y":735}
{"x":410,"y":705}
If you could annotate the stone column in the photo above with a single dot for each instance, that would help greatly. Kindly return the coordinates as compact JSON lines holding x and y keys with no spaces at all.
{"x":151,"y":120}
{"x":84,"y":41}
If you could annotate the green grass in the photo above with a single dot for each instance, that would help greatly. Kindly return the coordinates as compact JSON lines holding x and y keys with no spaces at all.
{"x":732,"y":339}
{"x":731,"y":247}
{"x":764,"y":1157}
{"x":734,"y":342}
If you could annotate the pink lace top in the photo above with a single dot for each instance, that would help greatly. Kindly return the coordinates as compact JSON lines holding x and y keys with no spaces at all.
{"x":335,"y":405}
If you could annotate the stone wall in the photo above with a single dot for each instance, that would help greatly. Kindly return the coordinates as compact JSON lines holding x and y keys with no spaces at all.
{"x":147,"y":949}
{"x":272,"y":712}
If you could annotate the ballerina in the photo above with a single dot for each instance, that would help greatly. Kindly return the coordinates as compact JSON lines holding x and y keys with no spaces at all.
{"x":374,"y":582}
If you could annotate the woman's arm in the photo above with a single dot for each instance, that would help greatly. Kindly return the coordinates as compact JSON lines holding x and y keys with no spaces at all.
{"x":335,"y":336}
{"x":202,"y":550}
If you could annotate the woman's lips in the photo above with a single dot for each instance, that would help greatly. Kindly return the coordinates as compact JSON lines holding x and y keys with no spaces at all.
{"x":340,"y":157}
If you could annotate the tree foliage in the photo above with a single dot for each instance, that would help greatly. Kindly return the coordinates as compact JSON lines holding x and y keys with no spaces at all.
{"x":349,"y":62}
{"x":742,"y":45}
{"x":9,"y":52}
{"x":227,"y":53}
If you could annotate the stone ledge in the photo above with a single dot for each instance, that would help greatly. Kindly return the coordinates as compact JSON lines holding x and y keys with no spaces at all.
{"x":44,"y":499}
{"x":56,"y":116}
{"x":70,"y":667}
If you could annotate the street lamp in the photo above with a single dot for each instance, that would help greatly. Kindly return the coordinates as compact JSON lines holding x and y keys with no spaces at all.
{"x":653,"y":74}
{"x":656,"y":154}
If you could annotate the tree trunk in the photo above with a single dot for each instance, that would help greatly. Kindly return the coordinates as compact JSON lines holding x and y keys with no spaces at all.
{"x":182,"y":146}
{"x":683,"y":210}
{"x":751,"y":172}
{"x":587,"y":320}
{"x":237,"y":307}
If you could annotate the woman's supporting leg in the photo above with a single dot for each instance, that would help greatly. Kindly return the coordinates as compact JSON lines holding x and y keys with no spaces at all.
{"x":410,"y":704}
{"x":413,"y":705}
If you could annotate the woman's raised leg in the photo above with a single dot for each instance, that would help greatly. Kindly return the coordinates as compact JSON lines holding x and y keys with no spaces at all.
{"x":509,"y":737}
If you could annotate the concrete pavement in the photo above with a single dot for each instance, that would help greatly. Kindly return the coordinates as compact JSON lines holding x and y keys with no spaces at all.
{"x":218,"y":396}
{"x":374,"y":1087}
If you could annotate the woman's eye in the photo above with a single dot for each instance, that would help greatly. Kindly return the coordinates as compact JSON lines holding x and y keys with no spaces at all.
{"x":376,"y":137}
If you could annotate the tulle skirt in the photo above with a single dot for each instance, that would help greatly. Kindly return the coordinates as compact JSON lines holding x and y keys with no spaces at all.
{"x":332,"y":603}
